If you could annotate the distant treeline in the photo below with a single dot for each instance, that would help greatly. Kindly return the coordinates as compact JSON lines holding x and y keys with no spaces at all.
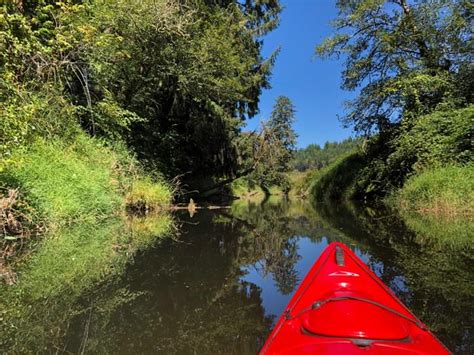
{"x":315,"y":157}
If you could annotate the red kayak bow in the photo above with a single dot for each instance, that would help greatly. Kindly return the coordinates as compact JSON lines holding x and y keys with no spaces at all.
{"x":342,"y":307}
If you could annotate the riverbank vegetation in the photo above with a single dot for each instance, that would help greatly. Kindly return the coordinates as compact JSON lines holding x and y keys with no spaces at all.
{"x":446,"y":191}
{"x":103,"y":101}
{"x":427,"y":168}
{"x":267,"y":155}
{"x":413,"y":65}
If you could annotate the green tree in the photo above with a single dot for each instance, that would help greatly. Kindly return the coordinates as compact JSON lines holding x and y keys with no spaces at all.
{"x":408,"y":58}
{"x":193,"y":72}
{"x":277,"y":146}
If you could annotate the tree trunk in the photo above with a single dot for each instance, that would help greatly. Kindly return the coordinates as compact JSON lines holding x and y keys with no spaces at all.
{"x":422,"y":46}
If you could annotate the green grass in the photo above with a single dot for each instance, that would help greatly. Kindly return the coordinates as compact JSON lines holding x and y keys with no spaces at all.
{"x":336,"y":182}
{"x":78,"y":190}
{"x":244,"y":187}
{"x":444,"y":191}
{"x":144,"y":193}
{"x":301,"y":182}
{"x":66,"y":182}
{"x":83,"y":180}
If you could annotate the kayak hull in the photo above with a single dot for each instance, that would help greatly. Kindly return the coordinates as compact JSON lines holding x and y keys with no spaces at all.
{"x":342,"y":307}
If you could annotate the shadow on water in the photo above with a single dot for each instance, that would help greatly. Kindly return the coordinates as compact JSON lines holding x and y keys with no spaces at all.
{"x":220,"y":287}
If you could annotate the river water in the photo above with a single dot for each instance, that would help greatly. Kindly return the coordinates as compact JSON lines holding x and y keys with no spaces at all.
{"x":220,"y":284}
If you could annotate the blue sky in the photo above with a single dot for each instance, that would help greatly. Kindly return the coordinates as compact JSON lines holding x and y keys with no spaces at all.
{"x":311,"y":83}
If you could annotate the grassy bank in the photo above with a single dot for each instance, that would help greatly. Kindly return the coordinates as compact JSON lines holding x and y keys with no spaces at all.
{"x":51,"y":186}
{"x":424,"y":166}
{"x":446,"y":192}
{"x":338,"y":180}
{"x":67,"y":231}
{"x":246,"y":189}
{"x":67,"y":182}
{"x":299,"y":182}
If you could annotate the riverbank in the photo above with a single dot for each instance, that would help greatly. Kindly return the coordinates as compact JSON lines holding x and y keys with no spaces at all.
{"x":66,"y":229}
{"x":51,"y":186}
{"x":446,"y":192}
{"x":424,"y":168}
{"x":299,"y":182}
{"x":246,"y":189}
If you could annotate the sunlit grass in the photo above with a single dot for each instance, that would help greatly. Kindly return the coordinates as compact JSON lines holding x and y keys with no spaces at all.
{"x":148,"y":194}
{"x":446,"y":192}
{"x":77,"y":189}
{"x":337,"y":180}
{"x":247,"y":189}
{"x":66,"y":182}
{"x":301,"y":182}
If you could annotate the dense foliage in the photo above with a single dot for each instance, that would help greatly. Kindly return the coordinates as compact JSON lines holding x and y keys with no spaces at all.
{"x":173,"y":79}
{"x":412,"y":61}
{"x":316,"y":157}
{"x":408,"y":57}
{"x":280,"y":146}
{"x":89,"y":86}
{"x":443,"y":138}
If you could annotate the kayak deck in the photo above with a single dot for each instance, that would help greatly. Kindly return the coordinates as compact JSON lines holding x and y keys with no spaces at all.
{"x":342,"y":307}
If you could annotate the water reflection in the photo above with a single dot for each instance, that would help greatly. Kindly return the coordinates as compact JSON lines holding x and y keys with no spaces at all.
{"x":36,"y":312}
{"x":221,"y":285}
{"x":430,"y":273}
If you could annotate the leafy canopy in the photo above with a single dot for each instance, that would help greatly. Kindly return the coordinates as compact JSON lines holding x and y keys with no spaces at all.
{"x":174,"y":79}
{"x":407,"y":57}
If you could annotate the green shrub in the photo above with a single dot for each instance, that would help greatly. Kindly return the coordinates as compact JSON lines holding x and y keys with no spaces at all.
{"x":26,"y":115}
{"x":447,"y":191}
{"x":435,"y":140}
{"x":443,"y":137}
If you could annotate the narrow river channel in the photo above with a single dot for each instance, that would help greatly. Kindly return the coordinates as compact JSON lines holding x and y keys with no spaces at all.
{"x":219,"y":286}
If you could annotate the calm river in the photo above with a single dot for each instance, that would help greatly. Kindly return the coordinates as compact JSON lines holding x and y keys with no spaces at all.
{"x":218,"y":287}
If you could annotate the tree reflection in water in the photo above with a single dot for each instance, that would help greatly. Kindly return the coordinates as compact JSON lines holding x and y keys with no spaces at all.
{"x":433,"y":275}
{"x":195,"y":295}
